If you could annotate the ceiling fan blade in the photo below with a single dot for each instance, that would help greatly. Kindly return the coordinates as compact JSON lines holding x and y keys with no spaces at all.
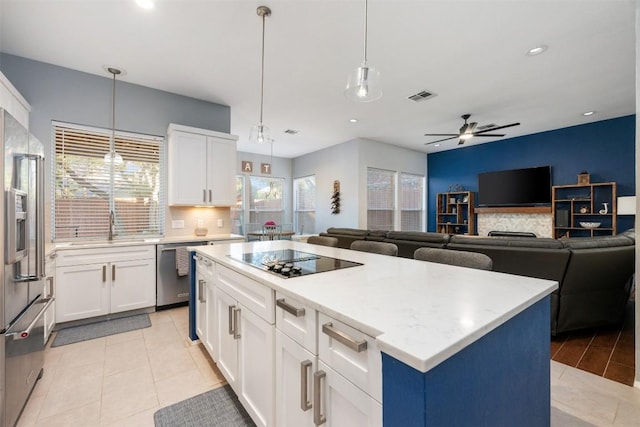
{"x":440,"y":134}
{"x":490,"y":134}
{"x":495,"y":128}
{"x":461,"y":141}
{"x":440,"y":140}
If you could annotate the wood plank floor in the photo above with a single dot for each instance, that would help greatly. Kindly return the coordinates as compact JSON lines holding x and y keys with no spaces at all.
{"x":608,"y":352}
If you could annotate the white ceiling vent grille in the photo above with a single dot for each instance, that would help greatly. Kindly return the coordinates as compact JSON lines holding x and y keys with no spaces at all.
{"x":291,"y":131}
{"x":422,"y":96}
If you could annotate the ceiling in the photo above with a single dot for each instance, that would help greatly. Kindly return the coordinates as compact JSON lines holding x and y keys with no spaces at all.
{"x":471,"y":54}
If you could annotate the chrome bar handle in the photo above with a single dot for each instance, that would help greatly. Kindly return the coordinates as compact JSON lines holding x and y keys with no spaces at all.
{"x":210,"y":198}
{"x":354,"y":344}
{"x":236,"y":323}
{"x":113,"y":272}
{"x":204,"y":195}
{"x":200,"y":290}
{"x":40,"y":189}
{"x":231,"y":331}
{"x":318,"y":418}
{"x":24,"y":334}
{"x":104,"y":273}
{"x":51,"y":292}
{"x":305,"y":403}
{"x":298,"y":312}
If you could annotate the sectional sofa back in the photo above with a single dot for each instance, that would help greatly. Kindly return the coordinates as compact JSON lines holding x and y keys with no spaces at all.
{"x":408,"y":241}
{"x":345,"y":236}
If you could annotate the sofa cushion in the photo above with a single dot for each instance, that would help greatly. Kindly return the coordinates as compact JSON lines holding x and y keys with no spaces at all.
{"x":518,"y":242}
{"x":376,"y":235}
{"x":355,"y":232}
{"x":597,"y":242}
{"x":418,"y":236}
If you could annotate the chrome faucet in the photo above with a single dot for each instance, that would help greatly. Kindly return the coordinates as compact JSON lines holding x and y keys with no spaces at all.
{"x":112,"y":220}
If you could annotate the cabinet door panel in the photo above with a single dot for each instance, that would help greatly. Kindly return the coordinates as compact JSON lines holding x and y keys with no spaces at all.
{"x":187,"y":169}
{"x":226,"y":344}
{"x":221,"y":174}
{"x":344,"y":404}
{"x":290,"y":358}
{"x":81,"y":292}
{"x":201,"y":306}
{"x":211,"y":329}
{"x":132,"y":285}
{"x":256,"y":367}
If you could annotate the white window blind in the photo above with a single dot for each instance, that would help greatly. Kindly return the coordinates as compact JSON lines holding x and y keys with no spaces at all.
{"x":381,"y":195}
{"x":266,"y":201}
{"x":411,"y":202}
{"x":304,"y":194}
{"x":87,"y":187}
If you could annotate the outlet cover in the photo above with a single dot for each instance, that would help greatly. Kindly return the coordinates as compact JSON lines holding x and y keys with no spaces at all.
{"x":220,"y":223}
{"x":177,"y":223}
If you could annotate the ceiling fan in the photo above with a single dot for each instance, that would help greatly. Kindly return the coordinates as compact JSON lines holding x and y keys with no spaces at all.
{"x":468,"y":131}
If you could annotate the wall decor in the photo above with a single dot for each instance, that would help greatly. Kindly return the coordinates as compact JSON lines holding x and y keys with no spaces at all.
{"x":265,"y":168}
{"x":335,"y":198}
{"x":247,"y":166}
{"x":583,"y":177}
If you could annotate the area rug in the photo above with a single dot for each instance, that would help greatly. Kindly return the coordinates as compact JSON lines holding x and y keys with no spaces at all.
{"x":215,"y":408}
{"x":101,"y":329}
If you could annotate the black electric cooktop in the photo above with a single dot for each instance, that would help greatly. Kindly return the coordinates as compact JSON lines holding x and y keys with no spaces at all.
{"x":290,"y":263}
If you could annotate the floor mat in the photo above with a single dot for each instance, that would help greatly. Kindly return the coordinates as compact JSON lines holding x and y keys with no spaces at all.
{"x":215,"y":408}
{"x":101,"y":329}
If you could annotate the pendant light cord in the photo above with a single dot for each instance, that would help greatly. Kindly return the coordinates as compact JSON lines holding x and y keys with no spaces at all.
{"x":366,"y":7}
{"x":113,"y":118}
{"x":264,"y":16}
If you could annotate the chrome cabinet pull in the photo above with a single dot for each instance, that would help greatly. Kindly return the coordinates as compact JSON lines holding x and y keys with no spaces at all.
{"x":200,"y":290}
{"x":231,"y":307}
{"x":305,"y":403}
{"x":210,"y":198}
{"x":50,"y":279}
{"x":204,"y":291}
{"x":318,"y":418}
{"x":104,"y":273}
{"x":236,"y":323}
{"x":298,"y":312}
{"x":113,"y":272}
{"x":352,"y":343}
{"x":204,"y":195}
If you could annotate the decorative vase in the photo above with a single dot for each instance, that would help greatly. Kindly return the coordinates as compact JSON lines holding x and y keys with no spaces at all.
{"x":605,"y":210}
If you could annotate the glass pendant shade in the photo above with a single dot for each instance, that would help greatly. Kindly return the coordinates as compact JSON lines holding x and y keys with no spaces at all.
{"x":259,"y":134}
{"x":364,"y":84}
{"x":113,"y":157}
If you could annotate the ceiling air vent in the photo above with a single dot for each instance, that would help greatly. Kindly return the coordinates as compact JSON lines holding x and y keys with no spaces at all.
{"x":291,"y":131}
{"x":422,"y":96}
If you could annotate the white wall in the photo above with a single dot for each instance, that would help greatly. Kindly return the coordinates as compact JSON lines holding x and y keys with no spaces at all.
{"x":384,"y":156}
{"x":339,"y":162}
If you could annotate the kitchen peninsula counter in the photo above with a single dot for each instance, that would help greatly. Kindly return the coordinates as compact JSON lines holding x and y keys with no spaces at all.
{"x":437,"y":327}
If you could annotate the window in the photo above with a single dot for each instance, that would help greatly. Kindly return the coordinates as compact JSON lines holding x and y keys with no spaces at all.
{"x":88,"y":186}
{"x":304,"y":202}
{"x":382,"y":199}
{"x":237,"y":211}
{"x":411,"y":202}
{"x":381,"y":193}
{"x":266,"y":201}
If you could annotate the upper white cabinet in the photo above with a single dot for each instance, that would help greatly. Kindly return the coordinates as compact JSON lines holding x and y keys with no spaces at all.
{"x":13,"y":102}
{"x":202,"y":167}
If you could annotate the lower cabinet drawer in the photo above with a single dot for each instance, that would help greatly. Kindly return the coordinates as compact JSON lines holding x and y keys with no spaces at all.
{"x":297,"y":321}
{"x":351,"y":353}
{"x":253,"y":295}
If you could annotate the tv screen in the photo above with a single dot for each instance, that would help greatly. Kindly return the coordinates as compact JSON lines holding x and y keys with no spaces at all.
{"x":516,"y":187}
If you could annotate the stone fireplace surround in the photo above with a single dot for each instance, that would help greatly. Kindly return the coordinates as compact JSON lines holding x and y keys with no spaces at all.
{"x":535,"y":220}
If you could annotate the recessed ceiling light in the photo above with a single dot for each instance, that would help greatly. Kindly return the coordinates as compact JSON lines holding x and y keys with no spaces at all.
{"x":353,"y":120}
{"x":537,"y":50}
{"x":436,"y":145}
{"x":588,"y":113}
{"x":145,"y":4}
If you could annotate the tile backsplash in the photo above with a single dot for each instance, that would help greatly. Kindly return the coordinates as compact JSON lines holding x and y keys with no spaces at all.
{"x":192,"y":216}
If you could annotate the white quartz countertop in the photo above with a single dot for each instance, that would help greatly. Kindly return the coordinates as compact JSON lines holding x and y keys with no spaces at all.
{"x":421,"y":313}
{"x":149,"y":241}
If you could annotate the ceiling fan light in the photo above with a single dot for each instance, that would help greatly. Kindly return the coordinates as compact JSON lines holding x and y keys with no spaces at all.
{"x":466,"y":136}
{"x":364,"y":84}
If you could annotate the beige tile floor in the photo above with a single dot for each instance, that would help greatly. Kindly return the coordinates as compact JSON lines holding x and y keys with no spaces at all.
{"x":123,"y":379}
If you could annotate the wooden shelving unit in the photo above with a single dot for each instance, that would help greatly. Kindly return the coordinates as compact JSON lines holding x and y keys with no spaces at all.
{"x":576,"y":203}
{"x":454,"y":213}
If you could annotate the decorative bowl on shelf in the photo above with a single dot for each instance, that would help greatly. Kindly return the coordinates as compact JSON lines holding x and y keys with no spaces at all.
{"x":590,"y":224}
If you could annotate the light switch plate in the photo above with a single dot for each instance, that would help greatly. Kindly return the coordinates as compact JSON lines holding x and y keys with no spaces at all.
{"x":220,"y":223}
{"x":177,"y":223}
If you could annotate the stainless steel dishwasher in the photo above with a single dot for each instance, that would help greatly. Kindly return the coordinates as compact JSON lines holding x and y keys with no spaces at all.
{"x":171,"y":289}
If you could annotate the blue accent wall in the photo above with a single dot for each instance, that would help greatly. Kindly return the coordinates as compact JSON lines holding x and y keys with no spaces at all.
{"x":606,"y":149}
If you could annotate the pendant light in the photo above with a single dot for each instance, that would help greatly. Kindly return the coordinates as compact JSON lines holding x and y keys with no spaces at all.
{"x":260,"y":133}
{"x":364,"y":81}
{"x":112,"y":157}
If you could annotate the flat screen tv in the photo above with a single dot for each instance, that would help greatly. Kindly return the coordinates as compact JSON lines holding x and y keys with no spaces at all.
{"x":516,"y":187}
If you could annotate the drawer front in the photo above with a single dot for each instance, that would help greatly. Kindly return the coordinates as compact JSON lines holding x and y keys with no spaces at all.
{"x":102,"y":255}
{"x":205,"y":268}
{"x":336,"y":347}
{"x":297,"y":321}
{"x":253,"y":295}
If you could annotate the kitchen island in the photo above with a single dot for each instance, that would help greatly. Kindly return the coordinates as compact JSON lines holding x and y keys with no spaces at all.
{"x":442,"y":345}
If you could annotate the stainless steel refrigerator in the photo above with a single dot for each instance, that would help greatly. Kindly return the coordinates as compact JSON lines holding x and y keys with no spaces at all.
{"x":22,"y":305}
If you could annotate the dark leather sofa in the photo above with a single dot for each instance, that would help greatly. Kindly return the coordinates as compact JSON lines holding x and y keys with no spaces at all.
{"x":595,"y":275}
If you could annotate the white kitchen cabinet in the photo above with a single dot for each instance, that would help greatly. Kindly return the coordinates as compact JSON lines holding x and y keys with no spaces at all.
{"x":99,"y":281}
{"x":227,"y":347}
{"x":49,"y":292}
{"x":201,"y":166}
